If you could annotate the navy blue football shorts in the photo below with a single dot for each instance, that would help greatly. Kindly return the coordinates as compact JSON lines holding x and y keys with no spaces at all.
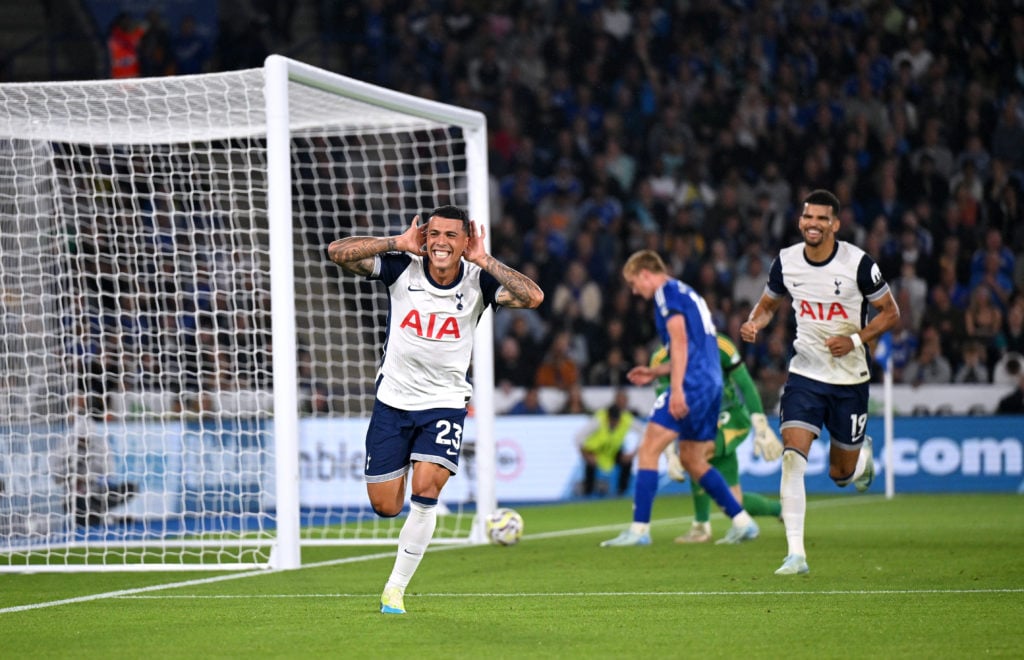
{"x":811,"y":404}
{"x":701,"y":423}
{"x":397,"y":438}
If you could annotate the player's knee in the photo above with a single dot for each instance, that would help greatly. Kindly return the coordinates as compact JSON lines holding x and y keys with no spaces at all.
{"x":840,"y":480}
{"x":386,"y":507}
{"x":386,"y":511}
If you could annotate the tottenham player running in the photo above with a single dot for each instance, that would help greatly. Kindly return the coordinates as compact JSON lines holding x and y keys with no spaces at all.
{"x":831,"y":282}
{"x":688,"y":410}
{"x":440,"y":279}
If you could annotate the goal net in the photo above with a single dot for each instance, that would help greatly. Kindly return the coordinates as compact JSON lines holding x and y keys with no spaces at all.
{"x":186,"y":378}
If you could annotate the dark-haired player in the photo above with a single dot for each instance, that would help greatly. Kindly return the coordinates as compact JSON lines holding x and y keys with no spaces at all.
{"x":440,"y":279}
{"x":831,"y":283}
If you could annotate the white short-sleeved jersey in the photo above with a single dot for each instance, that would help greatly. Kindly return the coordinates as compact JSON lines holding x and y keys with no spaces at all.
{"x":830,"y":299}
{"x":430,"y":327}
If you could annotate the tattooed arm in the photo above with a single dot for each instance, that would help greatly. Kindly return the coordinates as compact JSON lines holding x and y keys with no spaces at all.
{"x":355,"y":254}
{"x":517,"y":290}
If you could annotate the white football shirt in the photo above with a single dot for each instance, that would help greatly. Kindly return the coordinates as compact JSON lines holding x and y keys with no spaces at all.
{"x":829,"y":299}
{"x":430,"y":327}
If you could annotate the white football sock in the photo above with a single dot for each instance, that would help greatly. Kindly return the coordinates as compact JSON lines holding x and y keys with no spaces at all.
{"x":793,"y":494}
{"x":412,"y":543}
{"x":640,"y":528}
{"x":862,"y":461}
{"x":742,"y":519}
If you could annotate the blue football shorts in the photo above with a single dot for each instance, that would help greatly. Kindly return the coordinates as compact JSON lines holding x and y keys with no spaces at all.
{"x":701,"y":423}
{"x":811,"y":404}
{"x":396,"y":438}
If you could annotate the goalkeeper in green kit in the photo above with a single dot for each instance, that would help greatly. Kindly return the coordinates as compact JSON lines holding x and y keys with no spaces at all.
{"x":741,"y":410}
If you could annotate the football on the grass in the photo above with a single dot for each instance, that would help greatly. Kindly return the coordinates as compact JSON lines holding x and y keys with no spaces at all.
{"x":504,"y":526}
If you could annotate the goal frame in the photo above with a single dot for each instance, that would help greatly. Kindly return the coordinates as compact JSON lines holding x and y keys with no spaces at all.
{"x":286,"y":540}
{"x":279,"y":72}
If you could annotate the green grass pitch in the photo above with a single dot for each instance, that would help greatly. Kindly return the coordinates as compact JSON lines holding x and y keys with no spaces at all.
{"x":918,"y":576}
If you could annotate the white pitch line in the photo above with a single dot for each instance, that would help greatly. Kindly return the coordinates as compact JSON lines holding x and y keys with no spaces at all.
{"x":126,"y":593}
{"x":606,"y":594}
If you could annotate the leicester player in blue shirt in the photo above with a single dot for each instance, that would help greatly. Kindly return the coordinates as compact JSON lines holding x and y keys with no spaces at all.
{"x":688,"y":410}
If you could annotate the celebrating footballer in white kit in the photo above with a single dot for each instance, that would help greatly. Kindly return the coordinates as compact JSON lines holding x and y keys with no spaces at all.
{"x":831,"y":283}
{"x":440,"y":280}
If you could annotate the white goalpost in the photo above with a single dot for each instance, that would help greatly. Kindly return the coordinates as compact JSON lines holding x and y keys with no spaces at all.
{"x":187,"y":378}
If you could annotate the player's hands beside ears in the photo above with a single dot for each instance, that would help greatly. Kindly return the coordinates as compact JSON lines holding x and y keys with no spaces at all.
{"x":475,"y":250}
{"x":413,"y":239}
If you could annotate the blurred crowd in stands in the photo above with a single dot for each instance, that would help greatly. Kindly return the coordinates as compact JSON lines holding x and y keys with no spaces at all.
{"x":694,"y":127}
